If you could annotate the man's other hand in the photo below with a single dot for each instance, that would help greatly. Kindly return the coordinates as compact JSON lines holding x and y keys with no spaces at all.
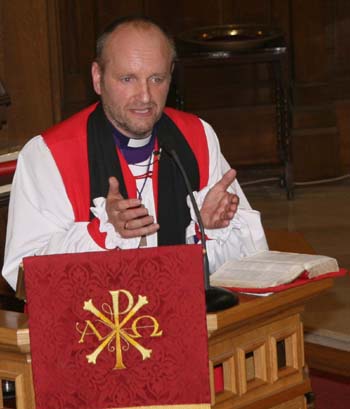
{"x":220,"y":206}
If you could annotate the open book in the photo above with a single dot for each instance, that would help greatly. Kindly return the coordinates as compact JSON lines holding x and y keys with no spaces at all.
{"x":271,"y":268}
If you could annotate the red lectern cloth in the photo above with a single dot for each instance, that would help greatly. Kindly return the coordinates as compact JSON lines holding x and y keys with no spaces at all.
{"x":119,"y":329}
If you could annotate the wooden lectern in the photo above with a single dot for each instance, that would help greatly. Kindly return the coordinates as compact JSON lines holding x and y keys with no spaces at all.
{"x":259,"y":348}
{"x":256,"y":347}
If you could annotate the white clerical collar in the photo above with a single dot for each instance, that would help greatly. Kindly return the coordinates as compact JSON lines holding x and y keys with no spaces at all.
{"x":138,"y":143}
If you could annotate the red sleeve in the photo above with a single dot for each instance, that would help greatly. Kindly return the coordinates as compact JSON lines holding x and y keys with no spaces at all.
{"x":94,"y":231}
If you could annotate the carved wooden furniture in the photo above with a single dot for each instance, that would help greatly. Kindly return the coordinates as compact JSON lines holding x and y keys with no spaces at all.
{"x":259,"y":348}
{"x":275,"y":56}
{"x":256,"y":346}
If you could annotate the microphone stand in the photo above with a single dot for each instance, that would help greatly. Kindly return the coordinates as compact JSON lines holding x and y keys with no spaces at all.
{"x":216,"y":298}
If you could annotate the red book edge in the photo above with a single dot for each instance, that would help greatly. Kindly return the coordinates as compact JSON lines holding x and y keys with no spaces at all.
{"x":301,"y":280}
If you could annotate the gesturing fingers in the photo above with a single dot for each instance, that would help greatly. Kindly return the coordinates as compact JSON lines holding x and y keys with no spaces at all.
{"x":115,"y":200}
{"x":123,"y":211}
{"x":142,"y":226}
{"x":117,"y":205}
{"x":128,"y":216}
{"x":232,"y":206}
{"x":113,"y":192}
{"x":226,"y":180}
{"x":227,"y":208}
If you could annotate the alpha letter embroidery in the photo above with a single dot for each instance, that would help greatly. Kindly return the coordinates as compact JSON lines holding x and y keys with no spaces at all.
{"x":115,"y":320}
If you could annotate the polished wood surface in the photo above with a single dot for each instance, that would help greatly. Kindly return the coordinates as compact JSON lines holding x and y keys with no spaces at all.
{"x":256,"y":308}
{"x":14,"y":333}
{"x":15,"y":358}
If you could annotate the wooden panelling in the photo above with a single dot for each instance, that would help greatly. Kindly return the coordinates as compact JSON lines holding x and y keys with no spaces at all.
{"x":341,"y":37}
{"x":343,"y":115}
{"x":194,"y":13}
{"x":314,"y":119}
{"x":108,"y":10}
{"x":317,"y":151}
{"x":55,"y":59}
{"x":280,"y":17}
{"x":319,"y":116}
{"x":246,"y":134}
{"x":231,"y":85}
{"x":310,"y":63}
{"x":2,"y":57}
{"x":248,"y":11}
{"x":340,"y":50}
{"x":311,"y":94}
{"x":26,"y":70}
{"x":46,"y":48}
{"x":78,"y":50}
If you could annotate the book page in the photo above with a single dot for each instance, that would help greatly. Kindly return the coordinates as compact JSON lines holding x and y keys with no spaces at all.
{"x":255,"y":274}
{"x":271,"y":268}
{"x":314,"y":264}
{"x":321,"y":266}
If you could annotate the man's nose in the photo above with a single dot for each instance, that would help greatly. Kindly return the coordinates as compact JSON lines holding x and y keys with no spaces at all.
{"x":144,"y":92}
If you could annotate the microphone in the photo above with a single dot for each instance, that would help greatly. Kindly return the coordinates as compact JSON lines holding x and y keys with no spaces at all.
{"x":216,"y":298}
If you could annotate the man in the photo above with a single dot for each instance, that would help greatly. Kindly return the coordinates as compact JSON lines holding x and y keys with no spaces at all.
{"x":104,"y":179}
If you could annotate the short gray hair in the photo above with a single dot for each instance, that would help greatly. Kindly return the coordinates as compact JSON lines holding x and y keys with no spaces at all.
{"x":137,"y":21}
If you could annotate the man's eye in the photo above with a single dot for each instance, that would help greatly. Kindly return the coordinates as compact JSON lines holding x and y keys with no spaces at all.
{"x":126,"y":79}
{"x":157,"y":80}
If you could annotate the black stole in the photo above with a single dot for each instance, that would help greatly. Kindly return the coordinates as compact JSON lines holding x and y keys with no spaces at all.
{"x":173,"y":212}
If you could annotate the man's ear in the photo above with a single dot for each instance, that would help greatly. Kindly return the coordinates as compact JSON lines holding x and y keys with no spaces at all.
{"x":96,"y":74}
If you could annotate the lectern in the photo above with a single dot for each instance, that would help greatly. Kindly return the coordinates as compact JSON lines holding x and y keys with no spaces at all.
{"x":256,"y":352}
{"x":257,"y":348}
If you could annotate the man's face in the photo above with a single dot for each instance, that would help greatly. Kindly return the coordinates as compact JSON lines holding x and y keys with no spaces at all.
{"x":134,"y":79}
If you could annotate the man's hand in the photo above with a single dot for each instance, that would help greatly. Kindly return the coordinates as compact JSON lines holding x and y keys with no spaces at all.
{"x":128,"y":216}
{"x":220,"y":206}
